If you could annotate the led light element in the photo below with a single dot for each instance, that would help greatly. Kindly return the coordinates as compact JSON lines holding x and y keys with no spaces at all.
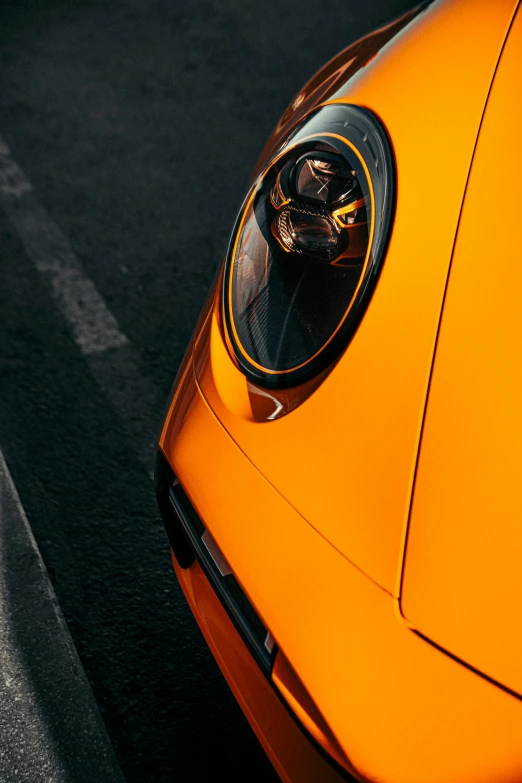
{"x":308,"y":246}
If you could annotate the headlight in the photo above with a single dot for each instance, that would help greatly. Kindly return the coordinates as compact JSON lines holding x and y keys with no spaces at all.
{"x":308,"y":246}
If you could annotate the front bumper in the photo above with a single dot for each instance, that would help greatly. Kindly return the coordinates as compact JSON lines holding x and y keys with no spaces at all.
{"x":401,"y":710}
{"x":293,"y":756}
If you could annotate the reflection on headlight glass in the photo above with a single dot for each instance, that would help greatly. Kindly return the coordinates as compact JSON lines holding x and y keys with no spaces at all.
{"x":305,"y":246}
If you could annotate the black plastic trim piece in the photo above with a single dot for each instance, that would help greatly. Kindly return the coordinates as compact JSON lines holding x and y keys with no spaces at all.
{"x":226,"y":586}
{"x":179,"y":541}
{"x":186,"y":533}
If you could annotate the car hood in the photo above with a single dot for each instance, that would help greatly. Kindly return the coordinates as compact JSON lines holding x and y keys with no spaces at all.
{"x":345,"y":458}
{"x":462,"y":580}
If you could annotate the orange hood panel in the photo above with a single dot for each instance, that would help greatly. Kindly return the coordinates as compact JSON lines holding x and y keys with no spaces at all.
{"x":345,"y":459}
{"x":463,"y":569}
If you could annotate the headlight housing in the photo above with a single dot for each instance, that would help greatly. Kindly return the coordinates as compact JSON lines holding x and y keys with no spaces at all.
{"x":308,"y":246}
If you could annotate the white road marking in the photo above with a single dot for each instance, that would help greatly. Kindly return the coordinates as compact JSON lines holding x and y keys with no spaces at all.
{"x":112,"y":359}
{"x":49,"y":723}
{"x":94,"y":327}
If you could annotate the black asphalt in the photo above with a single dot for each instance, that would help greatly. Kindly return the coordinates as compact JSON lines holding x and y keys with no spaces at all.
{"x":138,"y":123}
{"x":50,"y":726}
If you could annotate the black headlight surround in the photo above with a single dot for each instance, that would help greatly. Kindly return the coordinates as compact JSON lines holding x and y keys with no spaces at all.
{"x":340,"y":126}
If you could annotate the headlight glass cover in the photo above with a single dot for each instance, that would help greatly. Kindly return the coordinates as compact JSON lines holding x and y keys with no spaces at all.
{"x":308,"y":245}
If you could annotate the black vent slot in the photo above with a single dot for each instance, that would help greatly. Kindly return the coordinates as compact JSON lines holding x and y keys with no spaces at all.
{"x":178,"y":539}
{"x":189,"y":540}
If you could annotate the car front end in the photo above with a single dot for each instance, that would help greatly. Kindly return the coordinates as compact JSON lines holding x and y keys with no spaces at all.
{"x":287,"y":460}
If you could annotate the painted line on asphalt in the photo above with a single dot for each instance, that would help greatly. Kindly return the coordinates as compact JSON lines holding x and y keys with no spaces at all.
{"x":50,"y":725}
{"x":94,"y":327}
{"x":113,"y":361}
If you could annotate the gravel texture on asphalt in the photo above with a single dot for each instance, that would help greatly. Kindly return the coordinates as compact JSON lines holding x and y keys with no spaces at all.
{"x":50,"y":727}
{"x":138,"y":123}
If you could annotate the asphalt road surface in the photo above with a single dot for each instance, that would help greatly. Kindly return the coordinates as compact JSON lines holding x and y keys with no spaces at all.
{"x":128,"y":130}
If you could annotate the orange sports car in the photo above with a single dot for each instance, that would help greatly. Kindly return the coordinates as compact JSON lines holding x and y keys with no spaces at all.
{"x":339,"y":471}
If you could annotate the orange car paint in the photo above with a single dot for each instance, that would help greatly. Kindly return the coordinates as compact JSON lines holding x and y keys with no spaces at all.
{"x":346,"y":456}
{"x":463,"y":585}
{"x":306,"y":507}
{"x":402,"y":711}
